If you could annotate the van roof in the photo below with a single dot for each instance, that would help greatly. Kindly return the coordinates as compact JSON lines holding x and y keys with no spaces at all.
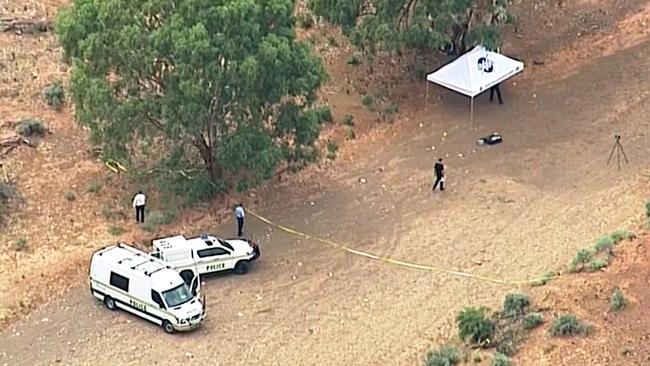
{"x":179,"y":242}
{"x":132,"y":260}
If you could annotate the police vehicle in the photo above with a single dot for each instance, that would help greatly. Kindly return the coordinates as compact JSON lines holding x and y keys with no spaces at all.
{"x":126,"y":278}
{"x":205,"y":254}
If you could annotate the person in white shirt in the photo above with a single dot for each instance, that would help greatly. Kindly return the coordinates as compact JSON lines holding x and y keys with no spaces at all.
{"x":239,"y":215}
{"x":139,"y":202}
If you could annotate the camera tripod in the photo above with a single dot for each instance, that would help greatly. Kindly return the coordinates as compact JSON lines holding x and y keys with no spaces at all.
{"x":619,"y":150}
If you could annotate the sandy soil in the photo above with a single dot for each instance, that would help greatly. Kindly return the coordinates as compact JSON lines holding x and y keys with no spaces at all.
{"x":519,"y":209}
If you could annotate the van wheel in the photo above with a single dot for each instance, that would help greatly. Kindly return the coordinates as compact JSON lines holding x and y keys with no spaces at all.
{"x":168,"y":327}
{"x":109,"y":302}
{"x":241,"y":267}
{"x":187,"y":276}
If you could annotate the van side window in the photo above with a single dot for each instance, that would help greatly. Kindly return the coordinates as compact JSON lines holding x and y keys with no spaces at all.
{"x":211,"y":252}
{"x":157,"y":299}
{"x":120,"y":282}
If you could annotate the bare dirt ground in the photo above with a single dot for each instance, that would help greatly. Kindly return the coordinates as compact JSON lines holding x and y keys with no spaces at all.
{"x":519,"y":209}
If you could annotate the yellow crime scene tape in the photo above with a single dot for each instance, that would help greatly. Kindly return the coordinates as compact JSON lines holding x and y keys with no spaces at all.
{"x":396,"y":261}
{"x":116,"y":167}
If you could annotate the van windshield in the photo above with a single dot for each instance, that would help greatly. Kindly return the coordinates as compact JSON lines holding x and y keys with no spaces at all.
{"x":177,"y":296}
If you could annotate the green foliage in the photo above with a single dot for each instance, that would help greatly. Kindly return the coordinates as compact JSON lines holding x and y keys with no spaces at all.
{"x":21,"y":244}
{"x":618,"y":300}
{"x":603,"y":244}
{"x":393,"y":26}
{"x":580,"y":260}
{"x":546,"y":277}
{"x":445,"y":356}
{"x":70,"y":196}
{"x":305,"y":20}
{"x":94,"y":187}
{"x":325,"y":114}
{"x":622,"y":234}
{"x":568,"y":325}
{"x":647,"y":209}
{"x":597,"y":264}
{"x":55,"y":95}
{"x":474,"y":325}
{"x":500,"y":359}
{"x":157,"y":218}
{"x":107,"y":211}
{"x":219,"y":86}
{"x":477,"y":358}
{"x":515,"y":304}
{"x":369,"y":102}
{"x":348,"y":120}
{"x":507,"y":346}
{"x":389,"y":111}
{"x":30,"y":127}
{"x":532,"y":320}
{"x":7,"y":193}
{"x":332,"y":148}
{"x":115,"y":230}
{"x":349,"y":133}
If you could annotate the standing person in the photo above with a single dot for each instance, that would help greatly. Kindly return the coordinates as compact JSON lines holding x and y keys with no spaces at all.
{"x":495,"y":89}
{"x":439,"y":170}
{"x":239,"y":215}
{"x":139,"y":201}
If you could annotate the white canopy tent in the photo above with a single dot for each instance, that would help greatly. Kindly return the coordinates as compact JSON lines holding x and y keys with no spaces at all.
{"x":475,"y":72}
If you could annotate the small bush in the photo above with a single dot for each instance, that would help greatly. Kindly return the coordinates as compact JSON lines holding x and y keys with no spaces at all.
{"x":598,"y":264}
{"x":7,"y":192}
{"x":325,"y":114}
{"x":332,"y":147}
{"x":532,"y":320}
{"x":507,"y":347}
{"x":70,"y":196}
{"x":305,"y":20}
{"x":473,"y":324}
{"x":500,"y":360}
{"x":55,"y":95}
{"x":603,"y":244}
{"x":568,"y":325}
{"x":368,"y":101}
{"x":582,"y":257}
{"x":546,"y":277}
{"x":115,"y":230}
{"x":445,"y":356}
{"x":515,"y":304}
{"x":157,"y":218}
{"x":391,"y":109}
{"x":348,"y":120}
{"x":618,"y":300}
{"x":332,"y":42}
{"x":619,"y":235}
{"x":31,"y":127}
{"x":354,"y":60}
{"x":94,"y":187}
{"x":647,"y":209}
{"x":349,"y":133}
{"x":477,"y":358}
{"x":107,"y":211}
{"x":20,"y":245}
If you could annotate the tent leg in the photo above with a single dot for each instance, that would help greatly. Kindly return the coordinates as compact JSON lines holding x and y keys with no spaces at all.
{"x":471,"y":112}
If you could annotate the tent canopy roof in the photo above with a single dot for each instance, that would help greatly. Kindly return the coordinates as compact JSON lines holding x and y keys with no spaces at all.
{"x":476,"y":71}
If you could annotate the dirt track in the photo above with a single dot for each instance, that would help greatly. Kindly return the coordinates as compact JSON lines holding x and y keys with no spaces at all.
{"x":520,"y":209}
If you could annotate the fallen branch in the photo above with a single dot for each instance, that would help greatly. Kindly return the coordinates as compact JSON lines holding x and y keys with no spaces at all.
{"x":12,"y":142}
{"x":25,"y":26}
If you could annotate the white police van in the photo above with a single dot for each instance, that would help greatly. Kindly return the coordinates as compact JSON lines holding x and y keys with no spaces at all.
{"x":205,"y":254}
{"x":127,"y":278}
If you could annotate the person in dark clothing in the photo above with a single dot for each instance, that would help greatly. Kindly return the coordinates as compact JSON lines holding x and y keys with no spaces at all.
{"x":495,"y":89}
{"x":439,"y":170}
